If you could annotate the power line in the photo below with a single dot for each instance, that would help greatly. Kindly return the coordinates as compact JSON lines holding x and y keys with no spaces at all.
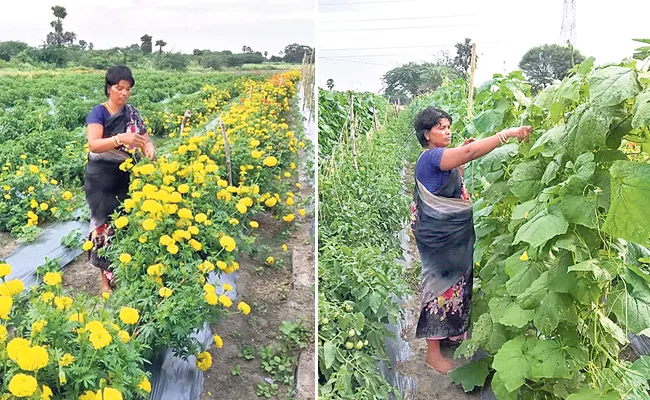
{"x":396,"y":19}
{"x":352,"y":61}
{"x":397,"y":28}
{"x":402,"y":47}
{"x":364,"y":2}
{"x":379,"y":55}
{"x":392,"y":47}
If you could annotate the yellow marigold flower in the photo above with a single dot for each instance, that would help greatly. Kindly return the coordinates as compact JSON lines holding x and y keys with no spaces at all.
{"x":165,"y":292}
{"x":121,"y":222}
{"x":149,"y":224}
{"x":524,"y":257}
{"x":87,"y":245}
{"x":33,"y":169}
{"x":203,"y":361}
{"x":289,"y":201}
{"x":16,"y":347}
{"x":298,"y":185}
{"x":4,"y":335}
{"x":195,"y":245}
{"x":22,"y":385}
{"x":77,"y":317}
{"x":288,"y":218}
{"x":287,"y":174}
{"x":254,"y":224}
{"x":218,"y":341}
{"x":241,"y":208}
{"x":271,"y":201}
{"x":185,"y":213}
{"x":211,"y":298}
{"x":46,"y":392}
{"x":166,"y":240}
{"x":200,"y":218}
{"x":175,"y":197}
{"x":208,"y":288}
{"x":109,"y":394}
{"x":38,"y":326}
{"x":32,"y":358}
{"x":88,"y":395}
{"x":285,"y":247}
{"x":222,"y":265}
{"x":52,"y":278}
{"x":184,"y":188}
{"x":129,"y":315}
{"x":225,"y":300}
{"x":5,"y":269}
{"x":125,"y":258}
{"x":243,"y":307}
{"x":193,"y":230}
{"x":11,"y":288}
{"x":63,"y":302}
{"x":142,"y":239}
{"x":44,"y":206}
{"x":94,"y":326}
{"x":67,"y":195}
{"x":47,"y":297}
{"x":154,"y":270}
{"x":233,"y":221}
{"x":6,"y":303}
{"x":292,"y":166}
{"x":106,"y":296}
{"x":66,"y":359}
{"x":256,"y":154}
{"x":172,"y":249}
{"x":270,"y":161}
{"x":301,"y":212}
{"x":270,"y":260}
{"x":124,"y":336}
{"x":228,"y":243}
{"x":227,"y":287}
{"x":145,"y":384}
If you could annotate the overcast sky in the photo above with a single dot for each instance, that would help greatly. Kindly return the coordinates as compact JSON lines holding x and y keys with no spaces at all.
{"x":356,"y":53}
{"x":264,"y":25}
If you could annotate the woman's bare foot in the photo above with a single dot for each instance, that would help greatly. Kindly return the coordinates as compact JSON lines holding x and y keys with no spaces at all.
{"x":442,"y":365}
{"x":104,"y":284}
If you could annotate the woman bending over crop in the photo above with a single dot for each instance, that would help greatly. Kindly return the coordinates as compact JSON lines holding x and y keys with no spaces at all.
{"x":444,"y":230}
{"x":115,"y":132}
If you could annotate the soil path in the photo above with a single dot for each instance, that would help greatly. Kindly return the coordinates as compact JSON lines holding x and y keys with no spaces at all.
{"x":430,"y":384}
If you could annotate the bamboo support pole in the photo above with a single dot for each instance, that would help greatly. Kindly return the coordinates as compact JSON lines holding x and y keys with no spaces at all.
{"x":226,"y":147}
{"x":354,"y":149}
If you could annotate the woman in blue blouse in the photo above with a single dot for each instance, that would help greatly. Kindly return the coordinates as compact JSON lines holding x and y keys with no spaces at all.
{"x":444,"y":229}
{"x":115,"y":131}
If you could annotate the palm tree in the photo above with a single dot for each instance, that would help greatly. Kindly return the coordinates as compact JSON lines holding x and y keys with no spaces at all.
{"x":161,"y":44}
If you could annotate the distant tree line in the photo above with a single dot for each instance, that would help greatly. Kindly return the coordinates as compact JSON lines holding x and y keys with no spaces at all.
{"x":61,"y":48}
{"x":541,"y":66}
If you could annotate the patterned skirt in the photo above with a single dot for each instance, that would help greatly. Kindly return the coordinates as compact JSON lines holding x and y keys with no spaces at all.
{"x":447,"y":317}
{"x":106,"y":186}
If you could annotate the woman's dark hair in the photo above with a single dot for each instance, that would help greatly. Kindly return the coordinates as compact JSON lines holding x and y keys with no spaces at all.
{"x":427,"y":119}
{"x":116,"y":74}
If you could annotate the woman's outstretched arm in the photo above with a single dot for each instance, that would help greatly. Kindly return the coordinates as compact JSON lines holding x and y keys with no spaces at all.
{"x":455,"y":157}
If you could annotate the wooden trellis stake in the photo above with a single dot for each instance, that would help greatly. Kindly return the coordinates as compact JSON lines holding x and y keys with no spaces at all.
{"x":354,"y":149}
{"x":470,"y":101}
{"x":471,"y":82}
{"x":226,"y":147}
{"x":186,"y":117}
